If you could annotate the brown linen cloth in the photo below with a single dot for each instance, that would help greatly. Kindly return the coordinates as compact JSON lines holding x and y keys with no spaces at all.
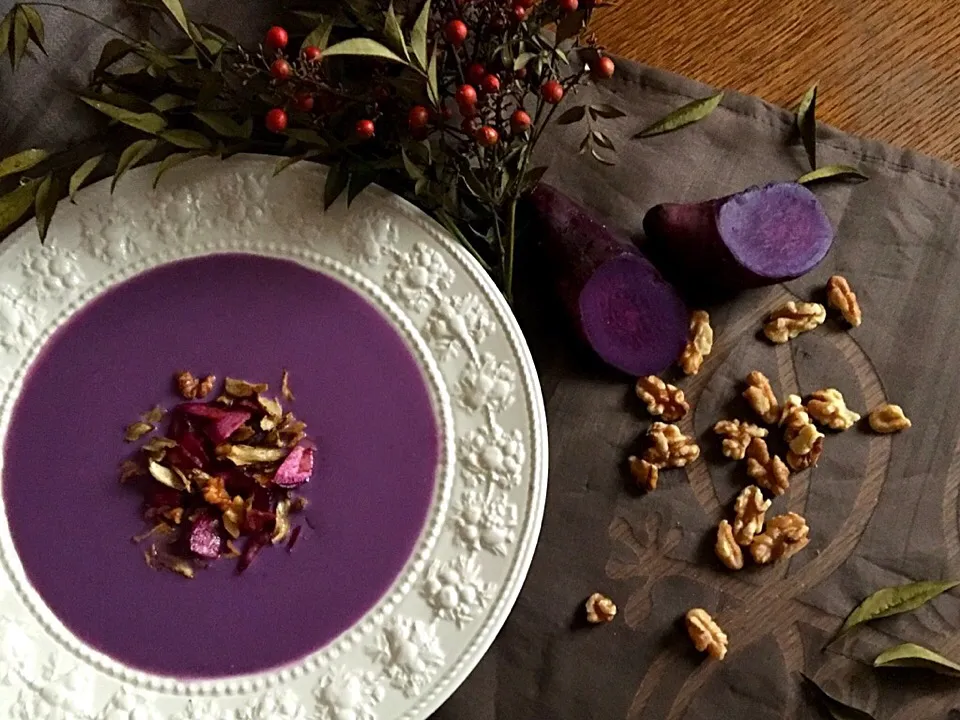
{"x":882,"y":510}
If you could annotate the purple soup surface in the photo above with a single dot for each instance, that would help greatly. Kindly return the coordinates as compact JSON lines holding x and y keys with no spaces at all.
{"x":358,"y":388}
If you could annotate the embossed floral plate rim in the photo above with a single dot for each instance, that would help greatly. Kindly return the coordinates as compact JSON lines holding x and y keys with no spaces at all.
{"x":410,"y":652}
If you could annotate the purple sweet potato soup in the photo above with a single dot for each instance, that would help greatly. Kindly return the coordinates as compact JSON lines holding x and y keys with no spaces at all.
{"x":358,"y":388}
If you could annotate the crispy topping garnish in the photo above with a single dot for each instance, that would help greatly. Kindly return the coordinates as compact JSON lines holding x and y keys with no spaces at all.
{"x":243,"y":389}
{"x":137,"y":430}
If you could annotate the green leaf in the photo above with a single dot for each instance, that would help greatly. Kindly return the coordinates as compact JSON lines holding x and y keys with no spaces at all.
{"x":311,"y":137}
{"x":222,"y":124}
{"x":337,"y":179}
{"x":608,"y":112}
{"x":837,"y":709}
{"x":129,"y":158}
{"x":832,"y":172}
{"x":603,"y":141}
{"x":571,"y":25}
{"x":320,"y":35}
{"x":573,"y":115}
{"x":394,"y":32}
{"x":681,"y":117}
{"x":113,"y":51}
{"x":522,"y":60}
{"x":532,"y":178}
{"x":359,"y":181}
{"x":21,"y":36}
{"x":22,"y":161}
{"x":285,"y":162}
{"x":433,"y":92}
{"x":14,"y":205}
{"x":6,"y":30}
{"x":176,"y":9}
{"x":418,"y":36}
{"x":170,"y":101}
{"x":36,"y":26}
{"x":82,"y":173}
{"x":474,"y":185}
{"x":909,"y":655}
{"x":148,"y":122}
{"x":189,"y":139}
{"x":413,"y":171}
{"x":171,"y":161}
{"x":365,"y":47}
{"x":894,"y":601}
{"x":807,"y":124}
{"x":45,"y":204}
{"x":600,"y":158}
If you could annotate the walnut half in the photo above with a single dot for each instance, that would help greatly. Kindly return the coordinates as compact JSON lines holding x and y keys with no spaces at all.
{"x":760,"y":395}
{"x":768,"y":471}
{"x":669,"y":447}
{"x":662,"y":399}
{"x":842,"y":297}
{"x":793,"y":318}
{"x":700,"y":343}
{"x":889,"y":418}
{"x":784,"y":537}
{"x":706,"y":634}
{"x":805,"y":441}
{"x":828,"y":408}
{"x":600,"y":609}
{"x":750,"y":512}
{"x":737,"y":436}
{"x":727,"y":549}
{"x":644,"y":473}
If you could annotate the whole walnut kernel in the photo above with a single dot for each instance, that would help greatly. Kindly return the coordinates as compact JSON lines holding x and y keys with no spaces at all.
{"x":700,"y":343}
{"x":645,"y":473}
{"x":769,"y":472}
{"x":187,"y":385}
{"x":750,"y":512}
{"x":760,"y":395}
{"x":669,"y":447}
{"x":783,"y":537}
{"x":804,"y":440}
{"x":600,"y":609}
{"x":841,"y":296}
{"x":737,"y":436}
{"x":889,"y":418}
{"x":828,"y":408}
{"x":706,"y":634}
{"x":662,"y":399}
{"x":205,"y":386}
{"x":727,"y":549}
{"x":793,"y":318}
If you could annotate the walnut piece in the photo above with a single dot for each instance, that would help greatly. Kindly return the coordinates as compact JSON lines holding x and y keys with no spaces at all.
{"x":784,"y":537}
{"x":804,"y":440}
{"x":669,"y":447}
{"x":889,"y":418}
{"x":751,"y":510}
{"x":828,"y":408}
{"x":187,"y":385}
{"x":737,"y":435}
{"x":600,"y":609}
{"x":646,"y":474}
{"x":215,"y":493}
{"x":727,"y":549}
{"x":706,"y":634}
{"x":761,"y":398}
{"x":842,"y":297}
{"x":769,"y":472}
{"x":699,"y":344}
{"x":205,"y":386}
{"x":793,"y":318}
{"x":662,"y":399}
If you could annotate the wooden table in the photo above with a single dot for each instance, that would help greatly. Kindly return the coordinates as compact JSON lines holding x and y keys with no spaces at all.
{"x":888,"y":69}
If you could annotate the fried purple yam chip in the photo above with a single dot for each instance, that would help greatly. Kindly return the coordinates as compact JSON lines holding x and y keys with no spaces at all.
{"x":296,"y":469}
{"x":204,"y":539}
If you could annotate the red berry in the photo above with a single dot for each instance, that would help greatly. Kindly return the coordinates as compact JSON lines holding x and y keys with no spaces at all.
{"x":569,"y":6}
{"x":419,"y":117}
{"x":487,"y":136}
{"x":303,"y":101}
{"x":604,"y":68}
{"x":312,"y":53}
{"x":366,"y":129}
{"x":276,"y":120}
{"x":519,"y":13}
{"x":466,"y":96}
{"x":491,"y":84}
{"x":520,"y":121}
{"x":277,"y":38}
{"x":521,"y":73}
{"x":476,"y":73}
{"x":281,"y":69}
{"x":455,"y":32}
{"x":552,"y":92}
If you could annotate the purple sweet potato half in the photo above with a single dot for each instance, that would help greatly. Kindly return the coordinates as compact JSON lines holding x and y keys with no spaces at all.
{"x":631,"y":317}
{"x":761,"y":236}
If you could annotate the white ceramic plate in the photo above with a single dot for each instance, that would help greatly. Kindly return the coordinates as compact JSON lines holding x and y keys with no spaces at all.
{"x":410,"y":651}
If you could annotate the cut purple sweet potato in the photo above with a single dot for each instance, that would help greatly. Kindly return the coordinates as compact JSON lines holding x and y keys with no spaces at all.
{"x":296,"y":469}
{"x":761,"y":236}
{"x":221,"y":422}
{"x":631,"y":317}
{"x":204,"y":537}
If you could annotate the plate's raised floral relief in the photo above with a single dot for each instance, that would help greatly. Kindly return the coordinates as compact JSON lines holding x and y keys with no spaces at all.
{"x":458,"y":323}
{"x":348,"y":695}
{"x":109,"y":234}
{"x":175,"y":213}
{"x":50,"y":271}
{"x":277,"y":705}
{"x":410,"y":653}
{"x":239,"y":201}
{"x":486,"y":384}
{"x":486,"y":521}
{"x":418,"y":277}
{"x":492,"y":453}
{"x":369,"y":239}
{"x":456,"y":589}
{"x":204,"y":710}
{"x":130,"y":705}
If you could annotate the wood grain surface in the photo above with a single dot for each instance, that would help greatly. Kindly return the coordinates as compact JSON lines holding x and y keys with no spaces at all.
{"x":887,"y":69}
